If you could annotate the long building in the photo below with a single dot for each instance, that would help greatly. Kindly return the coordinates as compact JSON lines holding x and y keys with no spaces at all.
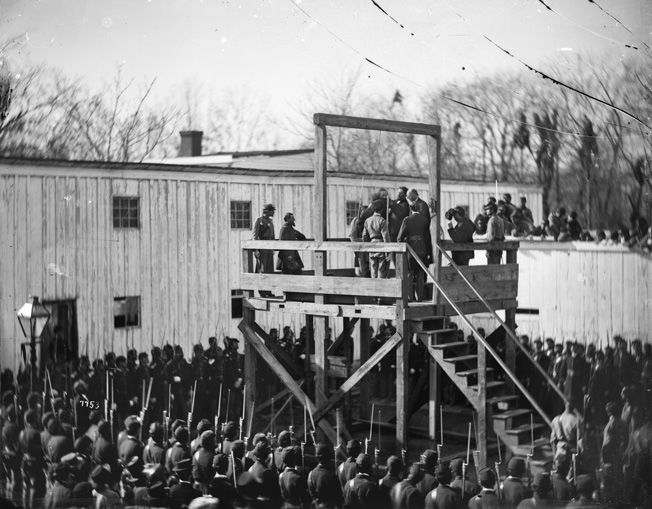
{"x":130,"y":255}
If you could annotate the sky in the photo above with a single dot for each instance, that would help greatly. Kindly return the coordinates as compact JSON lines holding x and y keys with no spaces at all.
{"x":276,"y":47}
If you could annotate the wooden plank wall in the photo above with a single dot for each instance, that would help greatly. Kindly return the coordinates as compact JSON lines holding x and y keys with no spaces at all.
{"x":184,"y":260}
{"x":586,"y":292}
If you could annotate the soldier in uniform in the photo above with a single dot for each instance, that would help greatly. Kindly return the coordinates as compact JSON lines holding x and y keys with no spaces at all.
{"x":487,"y":498}
{"x":284,"y":440}
{"x":428,"y":480}
{"x":347,"y":470}
{"x":202,"y":462}
{"x":221,"y":486}
{"x":230,"y":435}
{"x":131,"y":446}
{"x":120,"y":388}
{"x":575,"y":372}
{"x":405,"y":494}
{"x":33,"y":460}
{"x":513,"y":490}
{"x":157,"y":371}
{"x":264,"y":230}
{"x":200,"y":374}
{"x":154,"y":452}
{"x":293,"y":487}
{"x":11,"y":454}
{"x":233,"y":375}
{"x":236,"y":460}
{"x":444,"y":496}
{"x":182,"y":493}
{"x":214,"y":359}
{"x":104,"y":452}
{"x":266,"y":479}
{"x":584,"y":486}
{"x":361,"y":492}
{"x":179,"y":451}
{"x":471,"y":488}
{"x":179,"y":376}
{"x":393,"y":477}
{"x":323,"y":485}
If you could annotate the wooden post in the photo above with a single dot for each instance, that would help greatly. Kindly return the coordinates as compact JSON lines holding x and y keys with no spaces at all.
{"x":365,"y":390}
{"x":249,"y":316}
{"x":481,"y":431}
{"x":510,"y":321}
{"x":320,"y":222}
{"x":434,"y":190}
{"x":402,"y":356}
{"x":434,"y":403}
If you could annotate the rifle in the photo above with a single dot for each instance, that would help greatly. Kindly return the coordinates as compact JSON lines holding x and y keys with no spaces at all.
{"x":244,"y":408}
{"x":169,"y":400}
{"x":272,"y":417}
{"x":403,"y":452}
{"x":235,"y":482}
{"x":47,"y":372}
{"x":192,"y":405}
{"x":165,"y":426}
{"x":574,"y":463}
{"x":441,"y":434}
{"x":111,"y":409}
{"x":219,"y":409}
{"x":144,"y":407}
{"x":529,"y":456}
{"x":312,"y":432}
{"x":464,"y":465}
{"x":376,"y":454}
{"x":497,"y":466}
{"x":367,"y":441}
{"x":228,"y":404}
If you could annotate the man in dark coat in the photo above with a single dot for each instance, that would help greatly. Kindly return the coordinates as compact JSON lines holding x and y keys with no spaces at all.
{"x":399,"y":210}
{"x":461,"y":232}
{"x":575,"y":372}
{"x":405,"y":494}
{"x":415,"y":230}
{"x":60,"y":493}
{"x":422,"y":206}
{"x":289,"y":262}
{"x":471,"y":488}
{"x":361,"y":492}
{"x":428,"y":481}
{"x":182,"y":493}
{"x":59,"y":444}
{"x":323,"y":484}
{"x":232,"y":374}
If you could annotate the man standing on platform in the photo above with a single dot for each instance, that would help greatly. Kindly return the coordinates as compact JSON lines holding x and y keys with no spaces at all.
{"x":289,"y":262}
{"x":415,"y":230}
{"x":375,"y":230}
{"x":264,"y":230}
{"x":399,"y":210}
{"x":461,"y":232}
{"x":495,"y":233}
{"x":422,"y":206}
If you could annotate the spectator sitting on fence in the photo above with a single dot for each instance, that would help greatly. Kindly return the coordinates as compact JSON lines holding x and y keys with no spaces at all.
{"x":557,"y":224}
{"x":574,"y":226}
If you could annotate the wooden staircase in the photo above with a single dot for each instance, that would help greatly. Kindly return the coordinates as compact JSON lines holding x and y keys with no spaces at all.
{"x":510,"y":422}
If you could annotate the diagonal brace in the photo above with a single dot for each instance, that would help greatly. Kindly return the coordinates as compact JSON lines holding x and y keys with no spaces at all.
{"x":281,"y":372}
{"x":387,"y":347}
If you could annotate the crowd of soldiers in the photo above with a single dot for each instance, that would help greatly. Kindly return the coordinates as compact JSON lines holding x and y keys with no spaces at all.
{"x":127,"y":431}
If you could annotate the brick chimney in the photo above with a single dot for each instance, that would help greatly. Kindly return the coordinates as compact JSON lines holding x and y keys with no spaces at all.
{"x":190,"y":143}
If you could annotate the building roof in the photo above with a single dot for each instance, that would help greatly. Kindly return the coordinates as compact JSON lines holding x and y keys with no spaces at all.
{"x":293,"y":164}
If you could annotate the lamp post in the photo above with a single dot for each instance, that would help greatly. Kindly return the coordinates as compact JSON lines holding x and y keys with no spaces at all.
{"x":33,"y":317}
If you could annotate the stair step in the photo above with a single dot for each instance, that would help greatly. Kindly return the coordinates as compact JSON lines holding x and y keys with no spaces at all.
{"x":436,"y":331}
{"x":427,"y":318}
{"x":471,"y":372}
{"x":461,"y":358}
{"x":510,"y":414}
{"x":522,"y":433}
{"x":490,"y":385}
{"x":455,"y":344}
{"x":507,"y":398}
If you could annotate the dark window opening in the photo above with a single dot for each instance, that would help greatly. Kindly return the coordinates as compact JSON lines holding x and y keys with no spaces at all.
{"x":237,"y":303}
{"x":126,"y":312}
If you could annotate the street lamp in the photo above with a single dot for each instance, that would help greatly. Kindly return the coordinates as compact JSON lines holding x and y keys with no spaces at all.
{"x":33,"y":317}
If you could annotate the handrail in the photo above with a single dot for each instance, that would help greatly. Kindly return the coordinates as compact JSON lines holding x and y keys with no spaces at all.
{"x":314,"y":245}
{"x":480,"y":339}
{"x":510,"y":333}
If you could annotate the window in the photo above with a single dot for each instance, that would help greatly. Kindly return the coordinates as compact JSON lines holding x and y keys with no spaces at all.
{"x":126,"y":312}
{"x":352,"y":208}
{"x":125,"y":212}
{"x":241,"y":215}
{"x":237,"y":301}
